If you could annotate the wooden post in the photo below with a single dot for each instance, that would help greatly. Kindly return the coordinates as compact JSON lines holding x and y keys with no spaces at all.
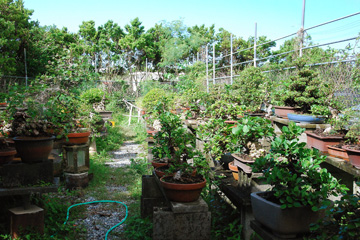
{"x":131,"y":107}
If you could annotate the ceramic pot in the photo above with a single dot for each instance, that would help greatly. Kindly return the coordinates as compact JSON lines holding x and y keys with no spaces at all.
{"x":319,"y":142}
{"x":305,"y":118}
{"x":158,"y":164}
{"x":34,"y":149}
{"x":234,"y":170}
{"x":182,"y":192}
{"x":286,"y":223}
{"x":354,"y":155}
{"x":7,"y":155}
{"x":283,"y":111}
{"x":77,"y":138}
{"x":338,"y":152}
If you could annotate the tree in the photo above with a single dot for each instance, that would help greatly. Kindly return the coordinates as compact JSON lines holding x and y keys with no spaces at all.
{"x":15,"y":27}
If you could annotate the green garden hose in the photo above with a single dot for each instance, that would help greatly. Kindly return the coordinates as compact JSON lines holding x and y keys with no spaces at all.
{"x":100,"y":201}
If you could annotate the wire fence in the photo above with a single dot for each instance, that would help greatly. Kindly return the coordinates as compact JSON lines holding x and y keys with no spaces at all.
{"x":224,"y":73}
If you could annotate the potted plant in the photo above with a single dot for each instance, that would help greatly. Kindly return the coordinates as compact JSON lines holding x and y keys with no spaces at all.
{"x":27,"y":114}
{"x":98,"y":99}
{"x":216,"y":136}
{"x":245,"y":138}
{"x":341,"y":221}
{"x":353,"y":149}
{"x":299,"y":185}
{"x":252,"y":90}
{"x":305,"y":92}
{"x":182,"y":184}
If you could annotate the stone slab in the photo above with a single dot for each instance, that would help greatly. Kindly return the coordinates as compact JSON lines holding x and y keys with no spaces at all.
{"x":192,"y":207}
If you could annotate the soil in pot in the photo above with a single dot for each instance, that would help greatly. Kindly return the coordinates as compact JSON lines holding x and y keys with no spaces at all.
{"x":188,"y":189}
{"x":160,"y":171}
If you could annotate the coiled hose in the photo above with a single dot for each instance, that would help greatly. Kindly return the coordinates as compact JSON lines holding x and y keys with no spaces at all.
{"x":100,"y":201}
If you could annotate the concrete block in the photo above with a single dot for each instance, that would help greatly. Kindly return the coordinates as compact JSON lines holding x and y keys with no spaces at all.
{"x":22,"y":220}
{"x":150,"y":189}
{"x":148,"y":204}
{"x":25,"y":174}
{"x":197,"y":206}
{"x":76,"y":180}
{"x":168,"y":225}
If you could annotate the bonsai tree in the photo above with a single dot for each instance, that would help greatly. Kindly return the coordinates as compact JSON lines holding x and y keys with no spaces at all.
{"x":215,"y":134}
{"x":342,"y":220}
{"x":252,"y":88}
{"x":305,"y":91}
{"x":295,"y":174}
{"x":247,"y":133}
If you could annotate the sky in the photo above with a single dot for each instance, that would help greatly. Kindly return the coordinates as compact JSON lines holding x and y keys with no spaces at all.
{"x":274,"y":18}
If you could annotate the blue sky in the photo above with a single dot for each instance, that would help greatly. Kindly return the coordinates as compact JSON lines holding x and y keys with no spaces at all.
{"x":275,"y":18}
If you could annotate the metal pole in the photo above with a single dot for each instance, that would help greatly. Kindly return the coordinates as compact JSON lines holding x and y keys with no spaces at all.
{"x":231,"y":59}
{"x":255,"y":44}
{"x":302,"y":30}
{"x":26,"y":78}
{"x":207,"y":68}
{"x":146,"y":68}
{"x":214,"y":63}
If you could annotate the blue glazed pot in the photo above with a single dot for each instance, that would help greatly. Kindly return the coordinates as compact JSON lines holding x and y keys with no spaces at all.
{"x":305,"y":118}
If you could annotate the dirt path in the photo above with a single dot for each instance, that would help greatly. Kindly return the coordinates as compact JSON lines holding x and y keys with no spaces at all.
{"x":101,"y":217}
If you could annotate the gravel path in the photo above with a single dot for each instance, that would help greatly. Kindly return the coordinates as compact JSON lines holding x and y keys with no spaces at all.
{"x":101,"y":217}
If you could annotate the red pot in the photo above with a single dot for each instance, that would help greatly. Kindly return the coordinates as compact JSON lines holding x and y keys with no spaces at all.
{"x":77,"y":138}
{"x":7,"y":155}
{"x":158,"y":164}
{"x":182,"y":192}
{"x":354,"y":156}
{"x":338,"y":152}
{"x":315,"y":141}
{"x":283,"y":111}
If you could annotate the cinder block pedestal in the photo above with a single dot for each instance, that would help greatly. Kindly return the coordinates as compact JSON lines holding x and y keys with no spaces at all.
{"x":21,"y":220}
{"x":191,"y":221}
{"x":151,"y":196}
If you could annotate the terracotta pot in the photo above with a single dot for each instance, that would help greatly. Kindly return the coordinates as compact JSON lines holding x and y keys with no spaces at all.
{"x":315,"y":141}
{"x":77,"y":138}
{"x":354,"y":156}
{"x":7,"y":155}
{"x":182,"y":192}
{"x":283,"y":111}
{"x":158,"y":164}
{"x":234,"y":170}
{"x":283,"y":222}
{"x":338,"y":152}
{"x":34,"y":149}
